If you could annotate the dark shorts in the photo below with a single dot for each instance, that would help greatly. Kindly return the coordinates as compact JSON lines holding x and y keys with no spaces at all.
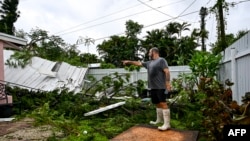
{"x":158,"y":95}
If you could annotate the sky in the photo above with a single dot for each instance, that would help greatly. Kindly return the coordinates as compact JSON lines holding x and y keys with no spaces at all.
{"x":74,"y":20}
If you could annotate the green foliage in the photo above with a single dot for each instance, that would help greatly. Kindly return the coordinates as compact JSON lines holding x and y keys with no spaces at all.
{"x":207,"y":103}
{"x":9,"y":15}
{"x":87,"y":58}
{"x":133,"y":28}
{"x":119,"y":48}
{"x":113,"y":85}
{"x":19,"y":59}
{"x":44,"y":115}
{"x":187,"y":110}
{"x":202,"y":110}
{"x":133,"y":104}
{"x":230,"y":39}
{"x":174,"y":47}
{"x":184,"y":81}
{"x":215,"y":113}
{"x":132,"y":68}
{"x":107,"y":65}
{"x":64,"y":110}
{"x":52,"y":48}
{"x":204,"y":64}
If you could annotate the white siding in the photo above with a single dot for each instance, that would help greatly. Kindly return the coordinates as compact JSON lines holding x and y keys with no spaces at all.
{"x":238,"y":52}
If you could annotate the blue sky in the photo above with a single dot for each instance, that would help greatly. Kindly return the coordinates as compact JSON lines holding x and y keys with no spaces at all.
{"x":72,"y":19}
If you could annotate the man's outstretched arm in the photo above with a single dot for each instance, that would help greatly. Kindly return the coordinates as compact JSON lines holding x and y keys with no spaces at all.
{"x":136,"y":63}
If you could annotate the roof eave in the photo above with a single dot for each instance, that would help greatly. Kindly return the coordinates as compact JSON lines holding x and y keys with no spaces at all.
{"x":13,"y":39}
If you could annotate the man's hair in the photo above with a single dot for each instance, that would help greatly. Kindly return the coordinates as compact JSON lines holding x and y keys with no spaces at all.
{"x":155,"y":49}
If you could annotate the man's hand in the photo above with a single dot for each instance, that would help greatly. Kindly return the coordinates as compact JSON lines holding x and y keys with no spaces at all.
{"x":168,"y":86}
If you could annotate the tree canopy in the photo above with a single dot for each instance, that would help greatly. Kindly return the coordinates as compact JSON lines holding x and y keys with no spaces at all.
{"x":9,"y":15}
{"x":174,"y":47}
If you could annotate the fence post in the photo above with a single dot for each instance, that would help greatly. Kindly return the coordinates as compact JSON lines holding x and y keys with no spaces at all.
{"x":234,"y":75}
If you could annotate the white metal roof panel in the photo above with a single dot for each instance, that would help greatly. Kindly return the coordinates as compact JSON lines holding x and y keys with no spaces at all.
{"x":39,"y":75}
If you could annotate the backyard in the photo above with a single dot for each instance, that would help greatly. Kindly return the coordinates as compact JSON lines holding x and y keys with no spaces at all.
{"x":59,"y":114}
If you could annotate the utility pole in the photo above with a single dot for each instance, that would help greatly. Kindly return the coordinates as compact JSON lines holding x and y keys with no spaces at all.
{"x":221,"y":29}
{"x":203,"y":14}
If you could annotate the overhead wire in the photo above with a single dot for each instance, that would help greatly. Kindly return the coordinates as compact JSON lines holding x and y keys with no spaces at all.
{"x":187,"y":8}
{"x":241,"y":2}
{"x":183,"y":11}
{"x":115,"y":19}
{"x":155,"y":9}
{"x":180,"y":15}
{"x":103,"y":22}
{"x":148,"y":25}
{"x":96,"y":19}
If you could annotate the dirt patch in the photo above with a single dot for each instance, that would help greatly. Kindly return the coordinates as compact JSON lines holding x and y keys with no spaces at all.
{"x":12,"y":126}
{"x":24,"y":130}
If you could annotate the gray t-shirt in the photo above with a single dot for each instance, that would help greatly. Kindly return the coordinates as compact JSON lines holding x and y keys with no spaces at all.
{"x":156,"y":75}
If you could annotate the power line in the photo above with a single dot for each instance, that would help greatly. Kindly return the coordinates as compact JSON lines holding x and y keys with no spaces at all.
{"x":104,"y":22}
{"x":149,"y":25}
{"x":96,"y":19}
{"x":241,"y":1}
{"x":184,"y":10}
{"x":113,"y":20}
{"x":208,"y":1}
{"x":187,"y":8}
{"x":155,"y":9}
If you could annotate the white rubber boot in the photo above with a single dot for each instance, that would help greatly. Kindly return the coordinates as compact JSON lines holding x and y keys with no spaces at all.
{"x":166,"y":117}
{"x":159,"y":116}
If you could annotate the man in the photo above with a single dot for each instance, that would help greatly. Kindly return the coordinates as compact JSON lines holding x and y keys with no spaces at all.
{"x":158,"y":82}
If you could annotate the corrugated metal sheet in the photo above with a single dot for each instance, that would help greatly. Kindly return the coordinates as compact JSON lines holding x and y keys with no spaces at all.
{"x":238,"y":52}
{"x":39,"y":75}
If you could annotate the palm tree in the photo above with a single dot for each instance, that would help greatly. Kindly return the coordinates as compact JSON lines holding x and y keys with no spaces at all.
{"x":86,"y":41}
{"x":182,"y":27}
